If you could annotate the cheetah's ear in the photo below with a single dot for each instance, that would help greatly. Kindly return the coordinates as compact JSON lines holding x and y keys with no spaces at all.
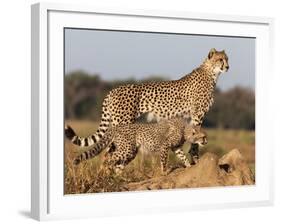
{"x":211,"y":53}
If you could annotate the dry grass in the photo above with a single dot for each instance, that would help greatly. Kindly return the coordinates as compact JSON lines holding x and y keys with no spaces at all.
{"x":88,"y":176}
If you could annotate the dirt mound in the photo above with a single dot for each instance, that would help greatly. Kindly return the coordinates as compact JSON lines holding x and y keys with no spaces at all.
{"x":229,"y":170}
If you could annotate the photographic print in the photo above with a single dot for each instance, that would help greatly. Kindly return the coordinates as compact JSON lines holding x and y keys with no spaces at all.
{"x":152,"y":111}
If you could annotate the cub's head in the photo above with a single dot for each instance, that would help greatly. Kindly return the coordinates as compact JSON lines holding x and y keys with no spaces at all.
{"x":195,"y":135}
{"x":218,"y":61}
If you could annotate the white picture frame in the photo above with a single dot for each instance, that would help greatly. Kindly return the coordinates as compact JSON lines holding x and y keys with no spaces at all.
{"x":48,"y":200}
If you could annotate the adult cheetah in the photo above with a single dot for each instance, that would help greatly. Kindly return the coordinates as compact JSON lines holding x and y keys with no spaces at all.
{"x":189,"y":97}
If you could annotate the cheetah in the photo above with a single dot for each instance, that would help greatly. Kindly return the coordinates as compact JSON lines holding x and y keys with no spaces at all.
{"x":124,"y":142}
{"x":190,"y":97}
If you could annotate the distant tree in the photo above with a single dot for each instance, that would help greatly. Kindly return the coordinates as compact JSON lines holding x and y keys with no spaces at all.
{"x":82,"y":92}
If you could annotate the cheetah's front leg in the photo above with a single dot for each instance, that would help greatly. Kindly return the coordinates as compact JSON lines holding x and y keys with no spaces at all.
{"x":163,"y":159}
{"x":194,"y":153}
{"x":196,"y":121}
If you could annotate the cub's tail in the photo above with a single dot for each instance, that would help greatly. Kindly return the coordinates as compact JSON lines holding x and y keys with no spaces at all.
{"x":102,"y":144}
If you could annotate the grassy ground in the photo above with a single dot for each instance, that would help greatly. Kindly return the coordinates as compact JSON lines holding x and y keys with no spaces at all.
{"x":87,"y":177}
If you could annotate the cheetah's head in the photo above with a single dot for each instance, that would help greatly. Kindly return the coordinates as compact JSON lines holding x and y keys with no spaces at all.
{"x":195,"y":135}
{"x":218,"y":61}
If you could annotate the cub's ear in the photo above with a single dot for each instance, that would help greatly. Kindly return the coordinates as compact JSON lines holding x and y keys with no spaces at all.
{"x":211,"y":53}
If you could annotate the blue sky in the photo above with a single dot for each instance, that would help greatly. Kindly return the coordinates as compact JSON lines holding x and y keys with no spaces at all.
{"x":121,"y":55}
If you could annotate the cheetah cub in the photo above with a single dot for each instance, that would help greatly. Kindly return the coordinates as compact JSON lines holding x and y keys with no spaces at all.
{"x":124,"y":142}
